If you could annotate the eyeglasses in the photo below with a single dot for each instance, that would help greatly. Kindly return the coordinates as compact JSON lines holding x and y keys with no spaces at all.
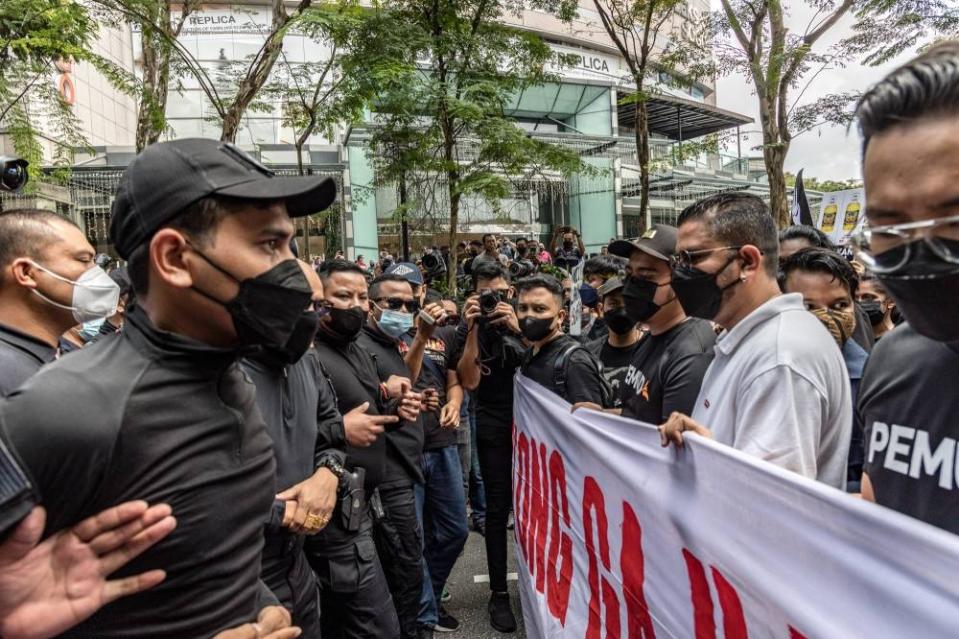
{"x":689,"y":258}
{"x":886,"y":249}
{"x":395,"y":304}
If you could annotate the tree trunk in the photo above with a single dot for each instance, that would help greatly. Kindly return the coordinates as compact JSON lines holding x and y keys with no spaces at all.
{"x":775,"y":158}
{"x":642,"y":155}
{"x":404,"y":222}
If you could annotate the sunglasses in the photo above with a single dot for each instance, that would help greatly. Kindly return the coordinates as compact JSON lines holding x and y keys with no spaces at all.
{"x":395,"y":304}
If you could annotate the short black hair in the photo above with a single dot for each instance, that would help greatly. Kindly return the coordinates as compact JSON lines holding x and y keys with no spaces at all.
{"x":378,"y":282}
{"x":26,"y":232}
{"x":328,"y":267}
{"x":926,"y":86}
{"x":815,"y":237}
{"x":488,"y":271}
{"x":548,"y":282}
{"x":433,"y":296}
{"x":486,"y":235}
{"x":819,"y":260}
{"x":738,"y":219}
{"x":198,"y":221}
{"x":606,"y":266}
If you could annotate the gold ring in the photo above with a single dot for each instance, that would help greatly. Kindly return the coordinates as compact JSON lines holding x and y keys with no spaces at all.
{"x":316,"y":522}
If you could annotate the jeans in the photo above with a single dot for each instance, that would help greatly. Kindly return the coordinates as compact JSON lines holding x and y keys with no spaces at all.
{"x":495,"y":443}
{"x":477,"y":491}
{"x":399,"y":544}
{"x":441,"y":506}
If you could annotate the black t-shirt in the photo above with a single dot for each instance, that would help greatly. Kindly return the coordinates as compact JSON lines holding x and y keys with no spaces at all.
{"x":908,"y":403}
{"x":438,"y":358}
{"x":667,"y":372}
{"x":615,"y":361}
{"x":584,"y":381}
{"x":500,"y":354}
{"x":21,"y":356}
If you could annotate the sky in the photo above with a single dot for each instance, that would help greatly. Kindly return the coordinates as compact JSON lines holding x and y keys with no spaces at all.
{"x":828,"y":153}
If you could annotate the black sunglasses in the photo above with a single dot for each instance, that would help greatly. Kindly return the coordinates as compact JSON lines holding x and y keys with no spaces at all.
{"x":395,"y":304}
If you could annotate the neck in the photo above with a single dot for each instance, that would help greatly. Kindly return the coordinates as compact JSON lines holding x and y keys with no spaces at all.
{"x":668,"y":317}
{"x":171,"y":318}
{"x":755,"y":294}
{"x":19,"y":314}
{"x":624,"y":340}
{"x":884,"y":327}
{"x":540,"y":344}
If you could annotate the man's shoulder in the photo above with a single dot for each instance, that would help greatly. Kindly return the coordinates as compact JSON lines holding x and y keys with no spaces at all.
{"x":693,"y":337}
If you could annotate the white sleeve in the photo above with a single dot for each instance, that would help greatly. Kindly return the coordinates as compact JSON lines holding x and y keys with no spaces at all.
{"x":780,"y":420}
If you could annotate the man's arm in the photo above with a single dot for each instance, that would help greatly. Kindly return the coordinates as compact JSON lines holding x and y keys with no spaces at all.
{"x":579,"y":243}
{"x":584,"y":383}
{"x":468,"y":368}
{"x":559,"y":230}
{"x":424,"y":331}
{"x":450,"y":413}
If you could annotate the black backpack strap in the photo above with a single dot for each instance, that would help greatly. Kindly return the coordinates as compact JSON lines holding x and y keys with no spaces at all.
{"x":561,"y":368}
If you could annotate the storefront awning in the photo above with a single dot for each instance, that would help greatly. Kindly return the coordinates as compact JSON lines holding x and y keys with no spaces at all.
{"x":681,"y":119}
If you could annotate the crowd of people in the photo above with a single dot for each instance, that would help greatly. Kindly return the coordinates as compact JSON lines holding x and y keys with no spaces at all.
{"x":217,"y":439}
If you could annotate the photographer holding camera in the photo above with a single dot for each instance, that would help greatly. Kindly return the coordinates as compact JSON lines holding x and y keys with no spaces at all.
{"x":492,"y":351}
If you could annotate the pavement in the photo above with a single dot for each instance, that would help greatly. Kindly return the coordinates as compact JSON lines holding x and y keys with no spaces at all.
{"x":470,"y":596}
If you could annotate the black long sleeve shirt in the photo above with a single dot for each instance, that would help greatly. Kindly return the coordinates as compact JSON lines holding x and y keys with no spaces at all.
{"x":155,"y":416}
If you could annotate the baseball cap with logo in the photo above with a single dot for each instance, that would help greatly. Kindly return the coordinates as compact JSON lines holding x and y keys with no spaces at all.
{"x":166,"y":178}
{"x":407,"y":270}
{"x":659,"y":240}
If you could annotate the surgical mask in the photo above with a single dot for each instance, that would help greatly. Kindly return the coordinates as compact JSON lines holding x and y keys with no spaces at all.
{"x":95,"y":295}
{"x":588,"y":295}
{"x":267,"y":307}
{"x":394,"y":323}
{"x":840,"y":324}
{"x":873,"y":310}
{"x":346,"y":322}
{"x":535,"y":328}
{"x":618,"y":321}
{"x":925,"y":289}
{"x":91,"y":329}
{"x":697,"y":290}
{"x":300,"y":340}
{"x":638,"y":294}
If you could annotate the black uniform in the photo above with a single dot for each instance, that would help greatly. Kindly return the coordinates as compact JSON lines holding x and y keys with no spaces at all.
{"x":908,"y":403}
{"x":156,"y":416}
{"x":399,"y":540}
{"x":667,"y":372}
{"x":500,"y":354}
{"x":355,"y":599}
{"x":301,"y":418}
{"x":21,"y":356}
{"x":567,"y":368}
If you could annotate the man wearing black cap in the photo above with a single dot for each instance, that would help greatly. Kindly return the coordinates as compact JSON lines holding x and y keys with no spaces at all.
{"x":668,"y":366}
{"x":163,"y":412}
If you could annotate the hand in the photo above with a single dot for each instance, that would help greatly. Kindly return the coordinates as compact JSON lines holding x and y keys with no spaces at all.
{"x":426,"y":329}
{"x":50,"y":586}
{"x":471,"y":310}
{"x":396,"y":386}
{"x":409,"y":406}
{"x":312,"y":500}
{"x":431,"y":400}
{"x":272,"y":623}
{"x":676,"y":425}
{"x":361,"y":428}
{"x":505,"y":315}
{"x":450,"y":415}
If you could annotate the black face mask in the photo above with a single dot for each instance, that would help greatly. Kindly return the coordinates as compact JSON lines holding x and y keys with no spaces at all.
{"x":300,"y":340}
{"x":534,"y":328}
{"x":266,"y":308}
{"x":698,"y":291}
{"x":925,"y":290}
{"x":873,"y":310}
{"x":638,"y":297}
{"x":567,"y":245}
{"x":619,"y":322}
{"x":347,"y":322}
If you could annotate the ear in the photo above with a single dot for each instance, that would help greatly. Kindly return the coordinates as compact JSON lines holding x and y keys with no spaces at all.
{"x":752,"y":260}
{"x":561,"y":316}
{"x":169,"y":258}
{"x":23,"y":273}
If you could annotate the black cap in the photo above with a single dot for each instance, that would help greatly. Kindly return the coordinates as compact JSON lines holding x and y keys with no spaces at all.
{"x":166,"y":178}
{"x":611,"y":285}
{"x":659,"y":240}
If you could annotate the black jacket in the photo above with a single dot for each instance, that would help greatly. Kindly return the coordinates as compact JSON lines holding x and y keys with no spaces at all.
{"x":404,"y":442}
{"x":155,"y":416}
{"x":351,"y":372}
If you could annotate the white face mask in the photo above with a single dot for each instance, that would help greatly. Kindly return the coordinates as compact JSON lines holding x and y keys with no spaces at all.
{"x":95,"y":295}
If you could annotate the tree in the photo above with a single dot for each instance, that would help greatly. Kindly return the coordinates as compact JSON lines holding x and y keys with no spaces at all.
{"x":825,"y":186}
{"x":635,"y":27}
{"x":886,"y":28}
{"x":447,"y":119}
{"x":36,"y":38}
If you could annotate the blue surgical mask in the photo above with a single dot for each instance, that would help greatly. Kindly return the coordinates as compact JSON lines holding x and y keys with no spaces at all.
{"x":91,"y":329}
{"x":395,"y":323}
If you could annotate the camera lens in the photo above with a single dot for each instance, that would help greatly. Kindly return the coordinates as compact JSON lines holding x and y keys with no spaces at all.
{"x":13,"y":175}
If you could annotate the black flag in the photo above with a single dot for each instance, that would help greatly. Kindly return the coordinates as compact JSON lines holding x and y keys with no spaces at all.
{"x":800,"y":213}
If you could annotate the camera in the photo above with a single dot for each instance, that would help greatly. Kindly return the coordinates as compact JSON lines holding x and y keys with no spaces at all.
{"x":13,"y":173}
{"x":434,"y":265}
{"x":488,"y":302}
{"x":521,"y":268}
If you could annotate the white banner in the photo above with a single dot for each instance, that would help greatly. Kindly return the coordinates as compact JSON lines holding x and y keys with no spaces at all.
{"x":842,"y":214}
{"x":618,"y":537}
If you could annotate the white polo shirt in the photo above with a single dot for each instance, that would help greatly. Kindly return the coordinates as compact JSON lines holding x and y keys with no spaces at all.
{"x":778,"y":389}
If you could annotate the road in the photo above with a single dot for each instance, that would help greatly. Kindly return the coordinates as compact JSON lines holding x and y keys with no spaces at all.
{"x":470,"y":598}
